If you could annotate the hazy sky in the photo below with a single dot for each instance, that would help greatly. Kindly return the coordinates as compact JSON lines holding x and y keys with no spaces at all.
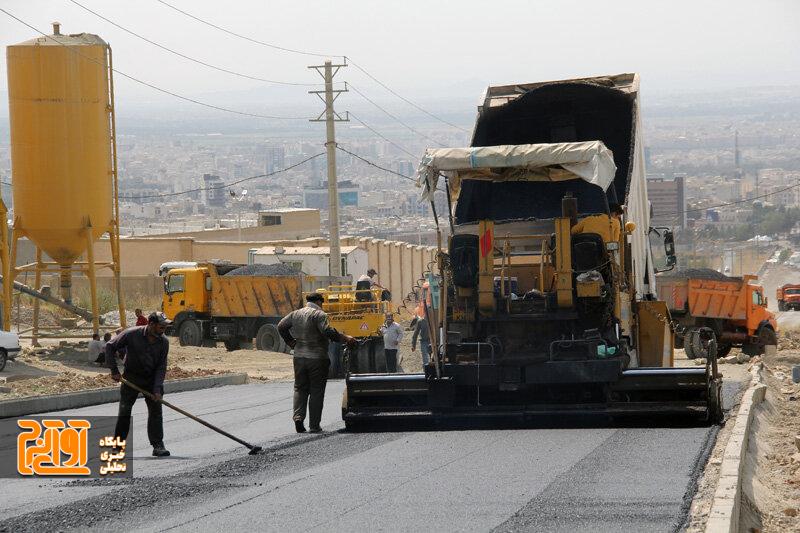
{"x":431,"y":49}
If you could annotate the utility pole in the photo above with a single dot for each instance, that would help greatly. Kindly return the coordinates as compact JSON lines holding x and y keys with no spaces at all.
{"x":328,"y":71}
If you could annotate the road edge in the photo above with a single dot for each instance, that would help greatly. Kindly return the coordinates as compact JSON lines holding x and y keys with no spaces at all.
{"x":72,"y":400}
{"x":724,"y":514}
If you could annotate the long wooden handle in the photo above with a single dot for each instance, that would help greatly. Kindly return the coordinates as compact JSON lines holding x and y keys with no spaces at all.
{"x":185,"y":413}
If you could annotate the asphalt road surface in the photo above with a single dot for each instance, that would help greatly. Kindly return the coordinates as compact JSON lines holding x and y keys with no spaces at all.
{"x":569,"y":478}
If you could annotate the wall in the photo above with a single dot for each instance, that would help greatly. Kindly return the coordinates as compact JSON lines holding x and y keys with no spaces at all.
{"x":399,"y":264}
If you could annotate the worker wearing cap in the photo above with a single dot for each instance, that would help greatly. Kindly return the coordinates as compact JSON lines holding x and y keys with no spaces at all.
{"x":607,"y":226}
{"x":308,"y":332}
{"x":146,"y":350}
{"x":365,"y":283}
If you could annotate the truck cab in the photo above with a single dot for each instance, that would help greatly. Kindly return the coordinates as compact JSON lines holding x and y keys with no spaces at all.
{"x":186,"y":289}
{"x":788,"y":297}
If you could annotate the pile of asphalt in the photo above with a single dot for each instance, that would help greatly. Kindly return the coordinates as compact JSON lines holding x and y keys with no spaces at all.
{"x":697,"y":273}
{"x":278,"y":269}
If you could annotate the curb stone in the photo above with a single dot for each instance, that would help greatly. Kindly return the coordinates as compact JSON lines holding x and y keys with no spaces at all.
{"x":724,"y":514}
{"x":72,"y":400}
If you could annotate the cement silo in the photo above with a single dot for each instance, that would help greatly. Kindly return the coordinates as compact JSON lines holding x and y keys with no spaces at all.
{"x":63,"y":156}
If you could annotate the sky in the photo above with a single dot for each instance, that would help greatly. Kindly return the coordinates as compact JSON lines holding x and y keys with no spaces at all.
{"x":431,"y":50}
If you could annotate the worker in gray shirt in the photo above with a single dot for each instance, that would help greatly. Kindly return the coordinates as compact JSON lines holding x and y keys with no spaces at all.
{"x":392,"y":334}
{"x":145,"y":366}
{"x":308,"y":331}
{"x":422,"y":333}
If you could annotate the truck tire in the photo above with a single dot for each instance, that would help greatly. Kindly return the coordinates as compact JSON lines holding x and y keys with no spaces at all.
{"x":3,"y":359}
{"x":269,"y":340}
{"x":190,"y":333}
{"x":688,"y":346}
{"x":369,"y":357}
{"x":781,"y":306}
{"x":723,"y":350}
{"x":232,"y":345}
{"x":767,"y":337}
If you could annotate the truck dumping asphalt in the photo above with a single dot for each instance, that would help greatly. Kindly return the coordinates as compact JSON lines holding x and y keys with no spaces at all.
{"x":278,"y":269}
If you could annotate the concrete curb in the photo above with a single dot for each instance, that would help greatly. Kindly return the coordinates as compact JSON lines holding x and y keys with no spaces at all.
{"x":724,"y":514}
{"x":71,"y":400}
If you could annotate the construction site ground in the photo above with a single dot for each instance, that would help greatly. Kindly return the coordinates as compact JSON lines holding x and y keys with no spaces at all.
{"x":64,"y":366}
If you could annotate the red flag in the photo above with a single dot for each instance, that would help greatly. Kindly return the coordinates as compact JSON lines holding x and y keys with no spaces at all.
{"x":486,"y":243}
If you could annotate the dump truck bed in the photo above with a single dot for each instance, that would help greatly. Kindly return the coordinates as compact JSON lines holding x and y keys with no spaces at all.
{"x":255,"y":296}
{"x":708,"y":298}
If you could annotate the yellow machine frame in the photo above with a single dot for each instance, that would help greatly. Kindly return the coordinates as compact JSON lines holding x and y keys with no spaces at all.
{"x":350,"y":316}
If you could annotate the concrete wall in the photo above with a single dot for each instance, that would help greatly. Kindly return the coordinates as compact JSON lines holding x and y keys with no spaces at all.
{"x":399,"y":264}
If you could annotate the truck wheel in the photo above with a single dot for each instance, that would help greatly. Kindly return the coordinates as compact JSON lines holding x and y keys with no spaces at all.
{"x":767,"y":336}
{"x":3,"y":359}
{"x":697,"y":344}
{"x":687,"y":344}
{"x":232,"y":345}
{"x":781,"y":307}
{"x":723,"y":350}
{"x":190,"y":334}
{"x":268,"y":339}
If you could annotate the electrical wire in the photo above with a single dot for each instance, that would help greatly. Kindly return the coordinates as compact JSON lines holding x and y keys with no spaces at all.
{"x":697,"y":210}
{"x":308,"y":53}
{"x":224,"y":185}
{"x":246,"y":38}
{"x":394,"y":117}
{"x":184,"y":56}
{"x":376,"y":132}
{"x":148,"y":84}
{"x":403,"y":98}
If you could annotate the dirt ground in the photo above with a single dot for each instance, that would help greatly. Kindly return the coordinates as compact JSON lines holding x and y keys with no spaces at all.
{"x":771,"y":481}
{"x":64,"y":366}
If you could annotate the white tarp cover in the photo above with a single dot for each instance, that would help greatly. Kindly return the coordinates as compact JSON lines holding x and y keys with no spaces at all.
{"x":591,"y":161}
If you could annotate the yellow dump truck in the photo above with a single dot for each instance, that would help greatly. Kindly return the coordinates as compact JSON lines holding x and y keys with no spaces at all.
{"x":214,"y":302}
{"x":237,"y":304}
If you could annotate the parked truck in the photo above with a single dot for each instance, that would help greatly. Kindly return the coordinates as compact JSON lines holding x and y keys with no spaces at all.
{"x":788,"y":297}
{"x":213,"y":302}
{"x":208,"y":305}
{"x":735,"y":308}
{"x":535,"y":316}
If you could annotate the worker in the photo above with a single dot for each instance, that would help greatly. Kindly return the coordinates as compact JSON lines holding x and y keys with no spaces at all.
{"x":607,"y":226}
{"x":422,"y":333}
{"x":308,"y":332}
{"x":141,"y":320}
{"x":96,"y":352}
{"x":146,"y":350}
{"x":364,"y":284}
{"x":392,"y":334}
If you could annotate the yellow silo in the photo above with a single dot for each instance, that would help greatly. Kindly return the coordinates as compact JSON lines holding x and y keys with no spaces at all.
{"x":63,"y":152}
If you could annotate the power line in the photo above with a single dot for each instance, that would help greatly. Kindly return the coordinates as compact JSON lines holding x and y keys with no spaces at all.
{"x":370,"y":163}
{"x":184,"y":56}
{"x":733,"y":203}
{"x":147,"y":84}
{"x":246,"y":38}
{"x":376,"y":132}
{"x":224,"y":185}
{"x":403,"y":98}
{"x":305,"y":52}
{"x":365,"y":97}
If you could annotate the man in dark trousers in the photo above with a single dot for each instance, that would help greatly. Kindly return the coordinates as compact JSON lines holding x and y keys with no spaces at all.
{"x":146,"y":366}
{"x":308,"y":331}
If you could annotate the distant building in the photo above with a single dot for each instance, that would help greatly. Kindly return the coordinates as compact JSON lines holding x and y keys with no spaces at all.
{"x":214,"y":190}
{"x":276,"y":158}
{"x":313,"y":260}
{"x":317,"y":197}
{"x":668,"y":198}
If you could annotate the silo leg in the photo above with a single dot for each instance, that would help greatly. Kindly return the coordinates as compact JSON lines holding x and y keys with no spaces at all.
{"x":114,"y":239}
{"x":92,"y":279}
{"x":37,"y":282}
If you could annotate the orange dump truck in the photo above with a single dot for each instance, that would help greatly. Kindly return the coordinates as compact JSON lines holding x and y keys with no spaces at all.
{"x":734,"y":308}
{"x":788,"y":297}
